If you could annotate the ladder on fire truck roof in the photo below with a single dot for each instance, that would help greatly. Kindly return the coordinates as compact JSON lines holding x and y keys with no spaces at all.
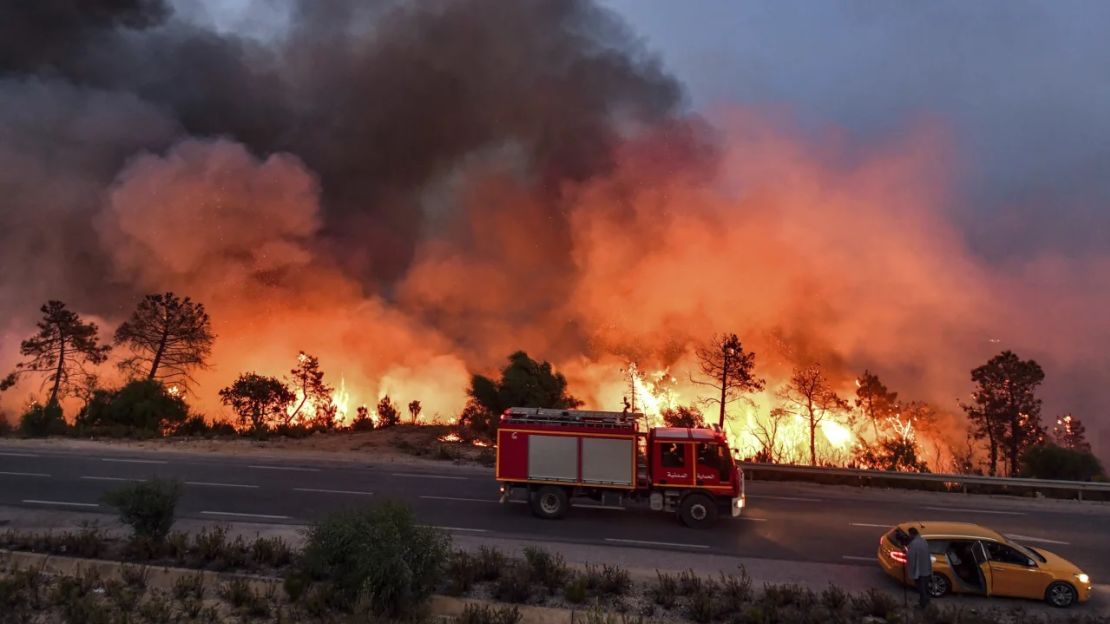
{"x":572,"y":418}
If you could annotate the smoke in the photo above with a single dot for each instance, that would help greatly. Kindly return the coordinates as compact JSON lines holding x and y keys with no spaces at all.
{"x":411,"y":192}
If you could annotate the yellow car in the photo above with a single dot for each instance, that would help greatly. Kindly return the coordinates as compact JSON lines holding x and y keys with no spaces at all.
{"x":972,"y":559}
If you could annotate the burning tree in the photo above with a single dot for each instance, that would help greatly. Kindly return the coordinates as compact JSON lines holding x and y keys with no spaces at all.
{"x":1070,"y":433}
{"x":1005,"y":408}
{"x":730,"y":371}
{"x":414,"y":410}
{"x":874,"y":401}
{"x":309,"y":386}
{"x":61,"y":350}
{"x":683,"y":416}
{"x":388,"y":414}
{"x":168,"y":336}
{"x":809,"y":395}
{"x":766,"y":430}
{"x":257,"y":400}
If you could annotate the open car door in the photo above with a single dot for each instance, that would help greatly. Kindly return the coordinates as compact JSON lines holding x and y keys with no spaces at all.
{"x":984,"y":563}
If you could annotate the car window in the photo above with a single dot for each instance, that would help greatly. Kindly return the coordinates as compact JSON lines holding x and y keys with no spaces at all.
{"x":673,"y":455}
{"x":937,"y":546}
{"x":1031,"y":553}
{"x":713,"y":456}
{"x":1005,"y":554}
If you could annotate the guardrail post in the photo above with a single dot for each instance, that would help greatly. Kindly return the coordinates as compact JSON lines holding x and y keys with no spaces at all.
{"x":1080,"y":495}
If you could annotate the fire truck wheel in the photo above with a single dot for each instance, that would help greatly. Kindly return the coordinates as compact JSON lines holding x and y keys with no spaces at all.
{"x":550,"y":502}
{"x":697,"y":511}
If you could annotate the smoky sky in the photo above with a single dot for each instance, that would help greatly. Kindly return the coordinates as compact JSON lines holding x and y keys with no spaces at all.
{"x":376,"y":98}
{"x":1022,"y":86}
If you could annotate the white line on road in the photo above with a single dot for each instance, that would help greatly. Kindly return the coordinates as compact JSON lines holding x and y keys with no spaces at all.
{"x":750,"y":519}
{"x":855,"y":558}
{"x":25,"y":474}
{"x":650,"y":543}
{"x":459,"y":499}
{"x":789,"y":498}
{"x":593,"y":506}
{"x":91,"y":478}
{"x":982,"y":511}
{"x":291,"y":468}
{"x":133,"y":461}
{"x":227,"y":485}
{"x":18,"y":455}
{"x":873,"y":526}
{"x":62,"y":503}
{"x":447,"y":528}
{"x":411,"y":475}
{"x":333,"y":491}
{"x":1026,"y":538}
{"x":232,"y":514}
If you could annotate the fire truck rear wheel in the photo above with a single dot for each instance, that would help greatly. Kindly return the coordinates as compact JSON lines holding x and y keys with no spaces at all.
{"x":697,"y":511}
{"x":550,"y":502}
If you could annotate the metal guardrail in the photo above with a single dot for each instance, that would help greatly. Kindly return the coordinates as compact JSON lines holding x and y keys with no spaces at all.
{"x":928,"y":477}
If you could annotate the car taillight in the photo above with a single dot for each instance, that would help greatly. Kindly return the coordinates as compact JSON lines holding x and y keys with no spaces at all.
{"x":898,"y":556}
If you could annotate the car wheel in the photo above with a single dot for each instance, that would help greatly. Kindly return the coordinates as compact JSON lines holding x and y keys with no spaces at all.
{"x":939,"y":585}
{"x":697,"y":511}
{"x":550,"y":502}
{"x":1060,"y":594}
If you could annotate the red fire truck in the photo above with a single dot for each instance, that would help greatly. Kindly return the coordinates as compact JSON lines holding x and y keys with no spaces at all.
{"x":550,"y":456}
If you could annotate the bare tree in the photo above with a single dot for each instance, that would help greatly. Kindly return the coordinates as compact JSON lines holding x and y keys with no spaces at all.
{"x":168,"y":337}
{"x":729,"y":370}
{"x":809,"y":395}
{"x":766,"y":430}
{"x":61,"y":350}
{"x":308,"y":380}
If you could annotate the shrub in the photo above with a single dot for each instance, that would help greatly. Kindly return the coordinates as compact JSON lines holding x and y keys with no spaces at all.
{"x":271,"y":552}
{"x":462,"y":570}
{"x":1048,"y":461}
{"x":5,"y":426}
{"x":362,"y":421}
{"x":514,"y":584}
{"x":545,"y":568}
{"x":615,"y":581}
{"x":223,"y":429}
{"x":42,"y":421}
{"x":486,"y":614}
{"x":388,"y":415}
{"x":576,"y":590}
{"x":147,"y":507}
{"x":688,"y":583}
{"x":377,"y":554}
{"x":239,"y":594}
{"x":735,"y":591}
{"x":141,"y":405}
{"x":189,"y":587}
{"x":489,"y":562}
{"x":665,"y":591}
{"x":194,"y":426}
{"x":874,"y":603}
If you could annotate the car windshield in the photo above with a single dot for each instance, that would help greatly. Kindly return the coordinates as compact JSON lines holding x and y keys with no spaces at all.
{"x":1028,"y":552}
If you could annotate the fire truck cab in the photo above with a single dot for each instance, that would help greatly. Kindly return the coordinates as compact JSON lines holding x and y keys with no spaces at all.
{"x":548,"y":457}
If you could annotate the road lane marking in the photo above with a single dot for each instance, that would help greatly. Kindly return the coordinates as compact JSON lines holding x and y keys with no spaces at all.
{"x":651,"y":543}
{"x":593,"y":506}
{"x":855,"y":558}
{"x":790,"y":498}
{"x":232,"y":514}
{"x":1026,"y":538}
{"x":872,"y":526}
{"x":33,"y":501}
{"x":411,"y":475}
{"x":750,"y":519}
{"x":133,"y":461}
{"x":92,"y":478}
{"x":290,"y":468}
{"x":25,"y":474}
{"x":227,"y":485}
{"x":356,"y":492}
{"x":447,"y":528}
{"x":461,"y":500}
{"x":981,"y":511}
{"x":18,"y":455}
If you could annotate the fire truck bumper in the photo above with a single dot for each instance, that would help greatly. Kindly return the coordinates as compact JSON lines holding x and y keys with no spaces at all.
{"x":737,"y":506}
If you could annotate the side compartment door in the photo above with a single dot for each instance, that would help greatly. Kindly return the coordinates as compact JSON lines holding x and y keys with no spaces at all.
{"x":674,"y":464}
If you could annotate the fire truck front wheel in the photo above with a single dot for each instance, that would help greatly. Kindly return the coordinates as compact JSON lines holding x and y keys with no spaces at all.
{"x":550,"y":502}
{"x":697,"y":511}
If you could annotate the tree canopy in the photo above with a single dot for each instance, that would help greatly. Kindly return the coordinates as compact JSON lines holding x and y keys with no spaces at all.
{"x":524,"y":383}
{"x":1005,"y":409}
{"x":810,"y":395}
{"x":257,"y":400}
{"x":729,"y":370}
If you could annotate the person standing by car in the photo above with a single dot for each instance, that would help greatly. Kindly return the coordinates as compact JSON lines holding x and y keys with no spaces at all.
{"x":919,"y":565}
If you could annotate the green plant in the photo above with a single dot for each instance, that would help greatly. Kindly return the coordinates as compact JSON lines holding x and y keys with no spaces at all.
{"x":191,"y":586}
{"x":462,"y":570}
{"x":688,"y":583}
{"x":244,"y":599}
{"x":834,"y":598}
{"x":5,"y":425}
{"x":42,"y":421}
{"x":273,"y":552}
{"x":143,"y":405}
{"x":193,"y":426}
{"x":615,"y":580}
{"x":576,"y":590}
{"x":874,"y":603}
{"x":134,"y":576}
{"x":210,"y":543}
{"x":545,"y":568}
{"x":123,"y":596}
{"x":147,"y":507}
{"x":489,"y":562}
{"x":486,"y":614}
{"x":665,"y":590}
{"x":514,"y":585}
{"x":156,"y":609}
{"x":378,"y":554}
{"x":735,"y":591}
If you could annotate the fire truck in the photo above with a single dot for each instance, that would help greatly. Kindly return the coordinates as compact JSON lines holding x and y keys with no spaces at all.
{"x":548,"y":457}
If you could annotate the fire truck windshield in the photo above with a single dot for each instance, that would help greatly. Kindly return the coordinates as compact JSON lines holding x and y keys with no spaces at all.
{"x":714,"y":456}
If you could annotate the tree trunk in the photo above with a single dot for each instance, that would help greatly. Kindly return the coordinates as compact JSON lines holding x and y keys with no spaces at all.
{"x":812,"y":434}
{"x":993,"y":447}
{"x":724,"y":389}
{"x":58,"y":373}
{"x":158,"y":354}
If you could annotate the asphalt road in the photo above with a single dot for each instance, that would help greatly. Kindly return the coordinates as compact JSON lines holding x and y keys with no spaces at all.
{"x":787,"y":522}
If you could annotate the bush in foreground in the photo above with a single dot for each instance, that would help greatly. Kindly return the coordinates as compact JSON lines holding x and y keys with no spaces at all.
{"x":1048,"y":461}
{"x":41,"y":421}
{"x":147,"y":507}
{"x":376,"y":559}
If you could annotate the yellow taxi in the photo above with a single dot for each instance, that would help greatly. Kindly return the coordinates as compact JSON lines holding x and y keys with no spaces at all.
{"x":972,"y":559}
